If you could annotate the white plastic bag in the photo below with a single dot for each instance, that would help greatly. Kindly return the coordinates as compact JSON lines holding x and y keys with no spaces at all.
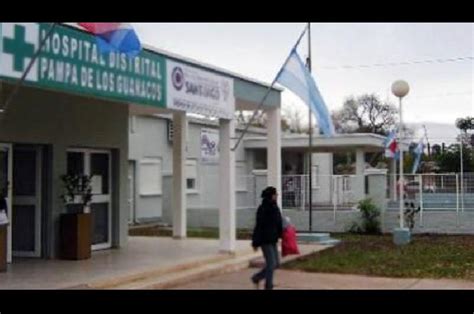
{"x":3,"y":218}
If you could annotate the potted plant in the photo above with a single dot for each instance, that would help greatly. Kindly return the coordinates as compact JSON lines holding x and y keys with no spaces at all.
{"x":75,"y":224}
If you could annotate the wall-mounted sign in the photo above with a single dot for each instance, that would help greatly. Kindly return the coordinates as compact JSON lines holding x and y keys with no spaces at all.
{"x":209,"y":145}
{"x":197,"y":91}
{"x":71,"y":62}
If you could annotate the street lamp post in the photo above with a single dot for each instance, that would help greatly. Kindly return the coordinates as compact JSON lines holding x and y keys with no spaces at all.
{"x":400,"y":89}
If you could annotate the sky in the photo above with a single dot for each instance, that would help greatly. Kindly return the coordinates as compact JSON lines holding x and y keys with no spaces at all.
{"x":439,"y":92}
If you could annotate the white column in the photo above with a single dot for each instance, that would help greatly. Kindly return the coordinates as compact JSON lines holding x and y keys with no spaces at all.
{"x":227,"y":225}
{"x":393,"y":179}
{"x":360,"y":179}
{"x":274,"y":150}
{"x":179,"y":175}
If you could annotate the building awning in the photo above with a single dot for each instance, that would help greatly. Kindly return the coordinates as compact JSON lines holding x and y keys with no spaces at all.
{"x":339,"y":143}
{"x":70,"y":62}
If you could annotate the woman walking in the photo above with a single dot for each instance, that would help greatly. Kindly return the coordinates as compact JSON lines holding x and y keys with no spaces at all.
{"x":268,"y":229}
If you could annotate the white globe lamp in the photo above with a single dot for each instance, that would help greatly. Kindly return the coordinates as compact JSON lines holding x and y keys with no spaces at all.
{"x":400,"y":88}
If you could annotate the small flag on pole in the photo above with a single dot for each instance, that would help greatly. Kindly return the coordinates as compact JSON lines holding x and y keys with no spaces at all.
{"x":418,"y":152}
{"x":115,"y":37}
{"x":295,"y":76}
{"x":391,"y":145}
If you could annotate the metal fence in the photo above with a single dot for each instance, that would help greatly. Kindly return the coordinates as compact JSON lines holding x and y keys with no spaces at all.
{"x":440,"y":197}
{"x":329,"y":192}
{"x":450,"y":192}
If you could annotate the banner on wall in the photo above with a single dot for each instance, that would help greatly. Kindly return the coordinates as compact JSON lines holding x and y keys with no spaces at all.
{"x":198,"y":91}
{"x":209,"y":146}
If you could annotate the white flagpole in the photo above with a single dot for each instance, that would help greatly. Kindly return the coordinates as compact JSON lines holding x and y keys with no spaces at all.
{"x":310,"y":144}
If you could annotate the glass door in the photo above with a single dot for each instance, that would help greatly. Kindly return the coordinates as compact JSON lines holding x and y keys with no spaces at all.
{"x":5,"y":183}
{"x":98,"y":164}
{"x":26,"y":214}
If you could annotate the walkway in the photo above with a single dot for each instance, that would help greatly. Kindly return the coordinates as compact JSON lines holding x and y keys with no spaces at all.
{"x":285,"y":279}
{"x":143,"y":254}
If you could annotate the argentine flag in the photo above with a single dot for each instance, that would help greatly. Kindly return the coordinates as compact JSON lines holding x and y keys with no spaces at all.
{"x":295,"y":76}
{"x":418,"y":152}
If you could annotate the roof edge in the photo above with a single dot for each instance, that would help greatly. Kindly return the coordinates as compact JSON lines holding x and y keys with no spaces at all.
{"x":192,"y":61}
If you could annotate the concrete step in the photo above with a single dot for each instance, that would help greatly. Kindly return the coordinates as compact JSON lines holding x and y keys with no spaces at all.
{"x":173,"y":279}
{"x":330,"y":242}
{"x":180,"y":278}
{"x":313,"y":237}
{"x":115,"y":282}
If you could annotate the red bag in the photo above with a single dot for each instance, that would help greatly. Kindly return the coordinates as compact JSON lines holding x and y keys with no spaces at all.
{"x":289,"y":246}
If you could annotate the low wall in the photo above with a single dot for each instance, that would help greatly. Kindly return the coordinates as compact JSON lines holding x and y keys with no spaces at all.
{"x":442,"y":222}
{"x":447,"y":222}
{"x":322,"y":220}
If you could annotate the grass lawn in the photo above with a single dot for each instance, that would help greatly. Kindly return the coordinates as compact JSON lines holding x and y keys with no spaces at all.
{"x":427,"y":256}
{"x":207,"y":233}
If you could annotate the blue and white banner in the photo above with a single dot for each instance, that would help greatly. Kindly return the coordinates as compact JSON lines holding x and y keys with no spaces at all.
{"x":295,"y":76}
{"x":418,"y":153}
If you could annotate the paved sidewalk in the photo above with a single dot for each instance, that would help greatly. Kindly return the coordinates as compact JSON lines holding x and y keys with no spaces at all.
{"x":143,"y":254}
{"x":285,"y":279}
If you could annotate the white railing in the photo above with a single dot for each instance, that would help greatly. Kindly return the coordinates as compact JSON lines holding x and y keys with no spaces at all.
{"x":438,"y":193}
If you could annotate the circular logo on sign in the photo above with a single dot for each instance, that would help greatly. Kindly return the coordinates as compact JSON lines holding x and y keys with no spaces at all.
{"x":177,"y":77}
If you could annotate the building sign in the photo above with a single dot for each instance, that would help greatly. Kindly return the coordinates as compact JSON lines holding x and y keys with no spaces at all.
{"x":71,"y":62}
{"x":197,"y":91}
{"x":209,"y":145}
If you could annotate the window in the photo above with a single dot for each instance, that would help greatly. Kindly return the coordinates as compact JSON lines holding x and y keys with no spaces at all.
{"x":315,"y":177}
{"x":75,"y":163}
{"x":191,"y":175}
{"x":150,"y":176}
{"x":260,"y":159}
{"x":100,"y":172}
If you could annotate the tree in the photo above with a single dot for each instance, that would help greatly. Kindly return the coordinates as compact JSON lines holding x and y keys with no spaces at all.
{"x":259,"y":121}
{"x":465,"y":124}
{"x":365,"y":114}
{"x":294,"y":120}
{"x":449,"y":160}
{"x":244,"y":117}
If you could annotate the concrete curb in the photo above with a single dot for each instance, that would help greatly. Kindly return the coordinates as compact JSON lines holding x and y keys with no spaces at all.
{"x":305,"y":250}
{"x":167,"y":276}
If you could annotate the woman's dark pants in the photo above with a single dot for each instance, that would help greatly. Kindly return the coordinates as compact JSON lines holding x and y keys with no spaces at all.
{"x":270,"y":253}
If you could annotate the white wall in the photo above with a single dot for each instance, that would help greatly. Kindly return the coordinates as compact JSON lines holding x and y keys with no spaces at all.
{"x":149,"y":139}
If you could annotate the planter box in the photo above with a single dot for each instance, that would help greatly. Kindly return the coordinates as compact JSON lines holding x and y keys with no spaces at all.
{"x":75,"y":241}
{"x":3,"y":248}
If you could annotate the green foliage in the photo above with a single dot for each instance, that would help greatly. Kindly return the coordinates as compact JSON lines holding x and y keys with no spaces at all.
{"x":427,"y":256}
{"x":449,"y":161}
{"x":77,"y":186}
{"x":369,"y":221}
{"x":465,"y":124}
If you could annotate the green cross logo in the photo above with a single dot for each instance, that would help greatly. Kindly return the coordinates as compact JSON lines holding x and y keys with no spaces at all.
{"x":18,"y":48}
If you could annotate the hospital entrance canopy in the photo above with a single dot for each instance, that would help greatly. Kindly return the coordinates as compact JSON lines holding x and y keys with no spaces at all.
{"x":154,"y":81}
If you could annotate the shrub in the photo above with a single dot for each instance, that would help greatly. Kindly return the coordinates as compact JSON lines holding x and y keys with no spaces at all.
{"x":369,"y":222}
